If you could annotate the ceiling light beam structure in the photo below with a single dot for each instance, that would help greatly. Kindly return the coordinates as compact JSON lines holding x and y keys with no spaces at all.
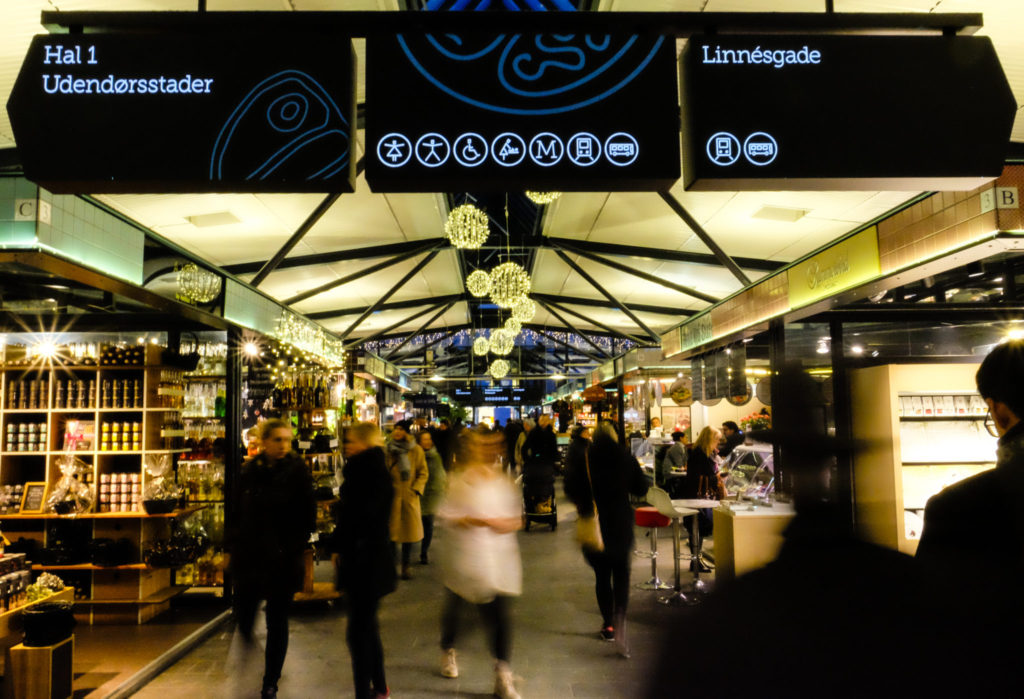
{"x":611,"y":299}
{"x":698,"y":229}
{"x":390,"y":292}
{"x":385,"y":331}
{"x":323,"y":288}
{"x":424,"y":348}
{"x":393,"y":306}
{"x":389,"y":250}
{"x":700,"y":295}
{"x":415,"y":333}
{"x":576,"y":330}
{"x":635,"y":307}
{"x":694,"y":258}
{"x":607,"y":328}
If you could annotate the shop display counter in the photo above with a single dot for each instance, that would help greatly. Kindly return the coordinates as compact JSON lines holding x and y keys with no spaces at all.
{"x":746,"y":539}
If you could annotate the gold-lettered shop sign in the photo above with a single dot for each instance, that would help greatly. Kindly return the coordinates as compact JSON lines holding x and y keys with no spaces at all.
{"x":841,"y":267}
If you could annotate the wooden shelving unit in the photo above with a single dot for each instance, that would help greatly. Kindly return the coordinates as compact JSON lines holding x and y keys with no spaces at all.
{"x":891,"y":475}
{"x":132,"y":593}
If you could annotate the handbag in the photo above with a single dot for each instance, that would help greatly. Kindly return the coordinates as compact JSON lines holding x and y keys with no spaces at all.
{"x":588,"y":527}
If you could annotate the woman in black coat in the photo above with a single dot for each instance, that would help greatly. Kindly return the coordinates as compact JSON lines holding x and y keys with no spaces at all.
{"x":276,"y":514}
{"x":362,"y":542}
{"x":615,"y":475}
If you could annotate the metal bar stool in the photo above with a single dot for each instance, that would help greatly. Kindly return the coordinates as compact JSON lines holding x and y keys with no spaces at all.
{"x":663,"y":503}
{"x":650,"y":517}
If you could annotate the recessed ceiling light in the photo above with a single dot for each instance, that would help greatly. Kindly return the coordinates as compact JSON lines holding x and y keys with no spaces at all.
{"x":220,"y":218}
{"x":780,"y":213}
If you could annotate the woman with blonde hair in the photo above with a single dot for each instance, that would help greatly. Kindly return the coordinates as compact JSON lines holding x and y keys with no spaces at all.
{"x":701,"y":482}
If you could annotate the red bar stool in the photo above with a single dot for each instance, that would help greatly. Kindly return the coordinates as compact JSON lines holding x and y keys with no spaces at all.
{"x":650,"y":518}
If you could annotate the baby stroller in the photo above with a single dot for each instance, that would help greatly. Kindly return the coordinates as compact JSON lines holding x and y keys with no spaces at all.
{"x":538,"y":481}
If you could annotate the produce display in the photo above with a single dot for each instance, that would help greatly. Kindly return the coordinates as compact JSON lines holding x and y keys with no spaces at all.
{"x":45,"y":585}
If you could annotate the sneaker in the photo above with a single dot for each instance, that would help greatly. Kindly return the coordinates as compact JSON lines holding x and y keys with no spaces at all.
{"x":608,"y":633}
{"x":449,"y":668}
{"x":385,"y":695}
{"x":504,"y":682}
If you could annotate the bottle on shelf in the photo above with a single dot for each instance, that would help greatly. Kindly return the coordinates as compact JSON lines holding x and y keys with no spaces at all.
{"x":220,"y":404}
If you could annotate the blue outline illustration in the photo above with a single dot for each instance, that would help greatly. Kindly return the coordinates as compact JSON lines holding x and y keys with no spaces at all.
{"x":322,"y":129}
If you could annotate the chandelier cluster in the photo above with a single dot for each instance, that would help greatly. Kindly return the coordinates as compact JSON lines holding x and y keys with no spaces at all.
{"x":509,"y":283}
{"x":197,"y":285}
{"x":467,"y":227}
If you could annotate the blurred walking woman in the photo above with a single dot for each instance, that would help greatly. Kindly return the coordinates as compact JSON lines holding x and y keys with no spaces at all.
{"x":276,"y":514}
{"x":615,"y":474}
{"x":480,"y":561}
{"x":366,"y":570}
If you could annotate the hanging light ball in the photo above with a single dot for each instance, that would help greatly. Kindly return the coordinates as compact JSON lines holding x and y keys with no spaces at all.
{"x":478,"y":283}
{"x":513,"y":326}
{"x":509,"y":283}
{"x":524,"y":309}
{"x":467,"y":227}
{"x":198,"y":285}
{"x":481,"y":346}
{"x":542,"y":197}
{"x":502,"y":341}
{"x":499,"y":368}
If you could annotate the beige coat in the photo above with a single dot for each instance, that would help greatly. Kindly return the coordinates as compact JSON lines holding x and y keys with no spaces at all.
{"x":406,"y":524}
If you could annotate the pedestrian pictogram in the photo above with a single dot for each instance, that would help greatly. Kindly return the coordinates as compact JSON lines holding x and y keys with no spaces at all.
{"x":432,"y":150}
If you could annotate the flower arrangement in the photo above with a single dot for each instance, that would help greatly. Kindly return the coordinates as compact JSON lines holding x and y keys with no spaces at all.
{"x":756,"y":421}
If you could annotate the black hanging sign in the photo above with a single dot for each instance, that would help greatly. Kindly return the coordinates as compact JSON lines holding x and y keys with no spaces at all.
{"x":576,"y":112}
{"x":843,"y":112}
{"x":186,"y":113}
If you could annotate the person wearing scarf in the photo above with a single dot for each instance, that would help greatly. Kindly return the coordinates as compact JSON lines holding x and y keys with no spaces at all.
{"x":408,"y":467}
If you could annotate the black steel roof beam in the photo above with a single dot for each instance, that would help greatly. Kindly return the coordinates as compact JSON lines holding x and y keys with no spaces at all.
{"x":335,"y":256}
{"x":297,"y":236}
{"x":427,"y":346}
{"x":582,"y":352}
{"x":689,"y":291}
{"x":587,"y":319}
{"x":393,"y":306}
{"x":385,"y":331}
{"x":576,"y":330}
{"x":369,"y":23}
{"x":390,"y":292}
{"x":636,"y":307}
{"x":611,"y":299}
{"x":697,"y":258}
{"x":323,"y":288}
{"x":705,"y":237}
{"x":415,"y":333}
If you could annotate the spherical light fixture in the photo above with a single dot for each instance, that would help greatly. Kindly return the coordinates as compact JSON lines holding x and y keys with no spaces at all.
{"x":478,"y":283}
{"x":524,"y":310}
{"x":542,"y":197}
{"x":509,"y":283}
{"x":467,"y":227}
{"x":499,"y":368}
{"x":481,"y":346}
{"x":513,"y":326}
{"x":198,"y":285}
{"x":502,"y":341}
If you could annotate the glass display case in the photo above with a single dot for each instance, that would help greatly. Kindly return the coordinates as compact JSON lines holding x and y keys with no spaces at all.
{"x":749,"y":471}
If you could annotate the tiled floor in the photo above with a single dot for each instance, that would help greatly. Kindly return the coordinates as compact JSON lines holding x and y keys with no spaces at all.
{"x":556,"y":648}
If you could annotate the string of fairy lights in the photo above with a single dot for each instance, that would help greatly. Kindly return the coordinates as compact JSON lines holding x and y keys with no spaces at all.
{"x":507,"y":285}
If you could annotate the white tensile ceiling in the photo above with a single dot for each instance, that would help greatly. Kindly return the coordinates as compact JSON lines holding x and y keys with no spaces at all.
{"x":258,"y":225}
